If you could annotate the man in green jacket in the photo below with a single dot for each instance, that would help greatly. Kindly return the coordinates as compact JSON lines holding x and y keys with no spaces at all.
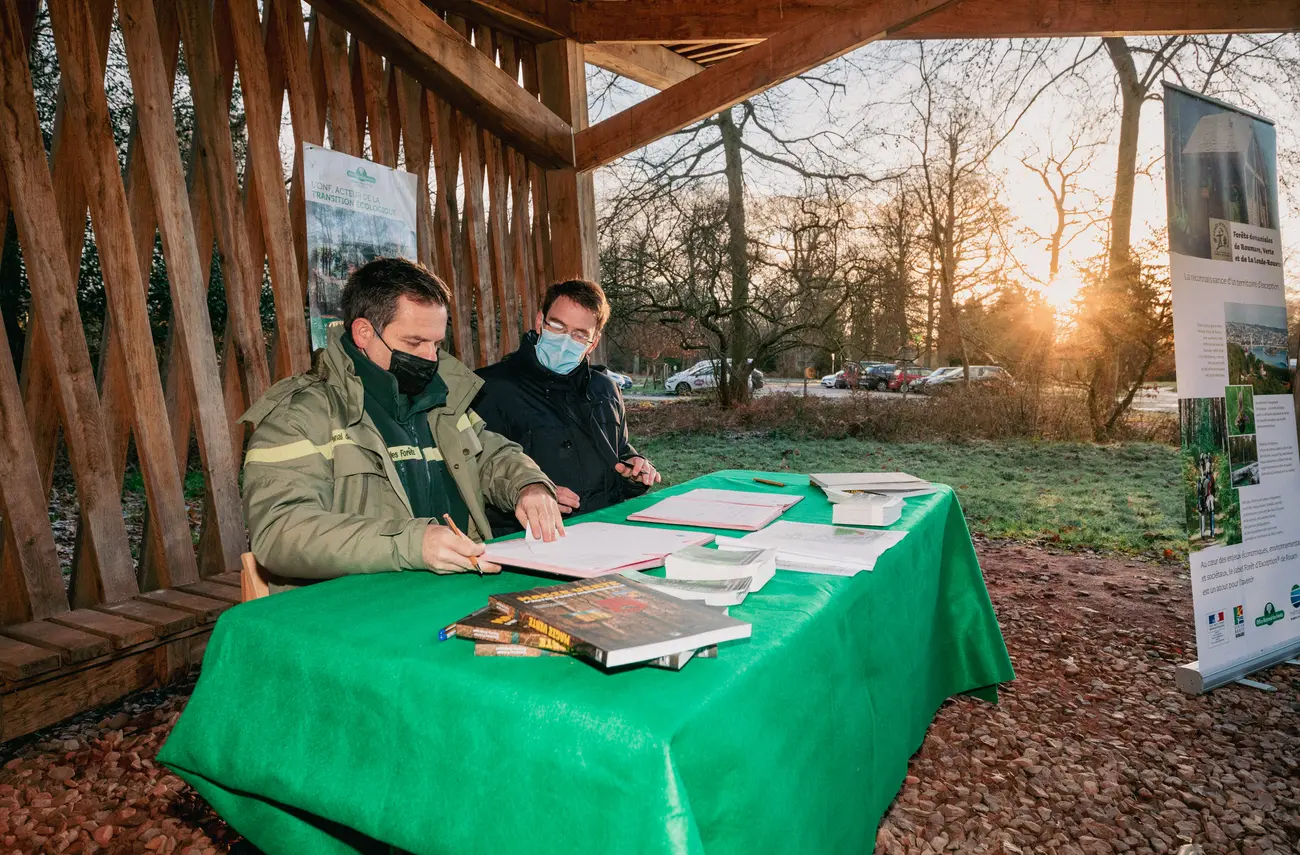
{"x":353,"y":464}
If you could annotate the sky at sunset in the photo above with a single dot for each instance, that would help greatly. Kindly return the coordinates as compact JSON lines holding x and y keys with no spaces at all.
{"x":1047,"y":125}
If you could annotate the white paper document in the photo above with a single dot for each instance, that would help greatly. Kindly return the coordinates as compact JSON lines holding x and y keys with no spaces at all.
{"x":813,"y":548}
{"x":742,"y":497}
{"x":709,"y":513}
{"x":593,"y":549}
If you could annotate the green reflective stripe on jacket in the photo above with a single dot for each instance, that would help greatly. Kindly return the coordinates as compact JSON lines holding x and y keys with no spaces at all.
{"x":322,"y":495}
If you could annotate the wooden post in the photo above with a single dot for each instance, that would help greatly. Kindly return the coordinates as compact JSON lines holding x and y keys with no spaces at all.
{"x":571,"y":195}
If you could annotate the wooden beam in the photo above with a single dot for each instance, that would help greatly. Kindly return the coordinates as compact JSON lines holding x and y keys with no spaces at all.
{"x":652,"y":65}
{"x":31,"y":192}
{"x":709,"y":20}
{"x":527,"y":18}
{"x":806,"y":45}
{"x":428,"y":49}
{"x":35,"y":591}
{"x":570,"y":194}
{"x":338,"y":87}
{"x":186,"y":273}
{"x":263,"y":109}
{"x":126,"y":289}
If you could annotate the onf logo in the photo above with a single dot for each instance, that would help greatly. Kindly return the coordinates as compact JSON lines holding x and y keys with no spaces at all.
{"x":360,"y":175}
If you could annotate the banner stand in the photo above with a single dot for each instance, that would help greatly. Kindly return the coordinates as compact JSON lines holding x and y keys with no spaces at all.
{"x":1239,"y":455}
{"x":1192,"y":680}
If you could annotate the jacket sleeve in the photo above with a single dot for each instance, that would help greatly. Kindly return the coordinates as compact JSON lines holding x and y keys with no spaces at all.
{"x":504,"y":469}
{"x":288,"y":493}
{"x":631,"y":489}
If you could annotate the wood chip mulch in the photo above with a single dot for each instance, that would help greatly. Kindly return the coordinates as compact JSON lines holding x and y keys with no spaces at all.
{"x":1092,"y":749}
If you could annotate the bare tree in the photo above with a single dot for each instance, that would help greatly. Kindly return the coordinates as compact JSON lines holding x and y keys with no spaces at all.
{"x":1077,"y":210}
{"x":710,"y":160}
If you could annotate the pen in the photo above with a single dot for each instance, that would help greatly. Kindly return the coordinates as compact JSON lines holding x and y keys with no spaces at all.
{"x":770,"y":483}
{"x":473,"y":559}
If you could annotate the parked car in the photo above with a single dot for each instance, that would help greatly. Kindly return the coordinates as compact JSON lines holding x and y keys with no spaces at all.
{"x":876,"y":375}
{"x":623,"y":381}
{"x":701,"y":376}
{"x":905,"y":377}
{"x":834,"y":381}
{"x":923,"y":385}
{"x":979,"y":375}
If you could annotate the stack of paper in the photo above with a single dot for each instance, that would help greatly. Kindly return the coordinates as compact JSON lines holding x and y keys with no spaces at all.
{"x":866,"y":509}
{"x":711,"y":592}
{"x":840,"y":486}
{"x":710,"y":508}
{"x":715,"y":577}
{"x":594,"y":549}
{"x":811,"y":548}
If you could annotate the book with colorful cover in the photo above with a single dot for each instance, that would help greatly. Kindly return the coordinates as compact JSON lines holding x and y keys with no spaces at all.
{"x":673,"y":662}
{"x":487,"y":648}
{"x":616,"y":621}
{"x":491,"y":626}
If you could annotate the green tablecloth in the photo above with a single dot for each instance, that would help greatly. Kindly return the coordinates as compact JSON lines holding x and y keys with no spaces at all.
{"x":331,"y":718}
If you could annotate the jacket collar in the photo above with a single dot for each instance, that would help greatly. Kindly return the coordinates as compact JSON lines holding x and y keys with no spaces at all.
{"x":334,"y":366}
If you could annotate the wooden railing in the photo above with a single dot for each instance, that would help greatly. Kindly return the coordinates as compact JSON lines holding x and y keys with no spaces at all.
{"x":483,"y":227}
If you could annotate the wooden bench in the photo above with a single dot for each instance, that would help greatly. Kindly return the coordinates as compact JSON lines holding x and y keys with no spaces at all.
{"x":53,"y":669}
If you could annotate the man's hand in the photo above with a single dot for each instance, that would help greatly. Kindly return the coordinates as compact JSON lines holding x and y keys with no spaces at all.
{"x":539,"y":513}
{"x":638,"y":469}
{"x":567,"y":499}
{"x":444,"y":551}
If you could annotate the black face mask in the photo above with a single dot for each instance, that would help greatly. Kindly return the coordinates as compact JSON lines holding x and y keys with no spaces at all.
{"x":413,"y":373}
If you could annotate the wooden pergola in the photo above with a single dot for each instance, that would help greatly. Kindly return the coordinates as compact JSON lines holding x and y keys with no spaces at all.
{"x":483,"y":100}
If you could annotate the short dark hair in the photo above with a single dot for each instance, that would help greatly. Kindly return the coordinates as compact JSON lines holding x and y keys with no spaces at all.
{"x":587,"y":294}
{"x":373,"y":289}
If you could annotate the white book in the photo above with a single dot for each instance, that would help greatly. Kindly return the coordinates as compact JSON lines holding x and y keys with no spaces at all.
{"x":701,"y":564}
{"x":711,"y":592}
{"x":867,"y":509}
{"x":814,"y":548}
{"x":872,"y":482}
{"x":742,"y":497}
{"x":708,"y":513}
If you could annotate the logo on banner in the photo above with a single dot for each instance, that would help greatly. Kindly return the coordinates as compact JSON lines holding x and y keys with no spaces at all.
{"x":1218,"y":629}
{"x":1220,"y":240}
{"x":1271,"y":615}
{"x":1295,"y":602}
{"x":360,"y":176}
{"x":1238,"y":621}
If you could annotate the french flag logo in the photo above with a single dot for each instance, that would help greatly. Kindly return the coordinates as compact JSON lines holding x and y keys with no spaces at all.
{"x":1216,"y":618}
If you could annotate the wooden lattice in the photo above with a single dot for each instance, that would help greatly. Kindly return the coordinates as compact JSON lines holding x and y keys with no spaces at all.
{"x":484,"y":226}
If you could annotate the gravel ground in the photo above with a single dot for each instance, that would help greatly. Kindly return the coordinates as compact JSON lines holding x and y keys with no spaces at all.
{"x":1092,"y":749}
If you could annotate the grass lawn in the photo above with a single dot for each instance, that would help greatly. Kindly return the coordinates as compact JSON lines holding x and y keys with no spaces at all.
{"x":1122,"y":497}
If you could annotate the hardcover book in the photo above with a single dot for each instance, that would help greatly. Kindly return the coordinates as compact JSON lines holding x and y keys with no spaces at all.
{"x":490,"y":625}
{"x":616,"y":621}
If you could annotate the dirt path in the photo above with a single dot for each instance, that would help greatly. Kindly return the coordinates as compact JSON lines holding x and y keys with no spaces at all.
{"x":1092,"y":750}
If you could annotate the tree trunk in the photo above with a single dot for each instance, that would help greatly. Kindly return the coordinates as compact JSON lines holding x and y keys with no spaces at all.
{"x":949,"y":335}
{"x":930,"y":360}
{"x":1058,"y":234}
{"x":1121,"y":209}
{"x":738,"y":250}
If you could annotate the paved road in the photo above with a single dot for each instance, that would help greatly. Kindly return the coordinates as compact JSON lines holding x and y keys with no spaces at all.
{"x":1160,"y":400}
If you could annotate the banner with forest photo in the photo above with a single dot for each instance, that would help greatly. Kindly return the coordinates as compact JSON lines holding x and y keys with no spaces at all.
{"x":1240,"y":466}
{"x":356,"y":211}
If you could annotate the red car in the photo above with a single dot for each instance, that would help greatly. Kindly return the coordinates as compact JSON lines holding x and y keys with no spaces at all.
{"x":906,"y":376}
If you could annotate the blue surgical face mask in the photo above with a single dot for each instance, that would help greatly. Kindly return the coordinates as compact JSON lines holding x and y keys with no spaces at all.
{"x":558,"y":352}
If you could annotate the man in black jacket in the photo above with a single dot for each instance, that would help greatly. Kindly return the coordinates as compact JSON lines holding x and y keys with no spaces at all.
{"x":567,"y":414}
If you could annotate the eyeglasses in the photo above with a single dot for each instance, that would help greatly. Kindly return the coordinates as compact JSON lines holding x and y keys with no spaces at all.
{"x":582,"y":337}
